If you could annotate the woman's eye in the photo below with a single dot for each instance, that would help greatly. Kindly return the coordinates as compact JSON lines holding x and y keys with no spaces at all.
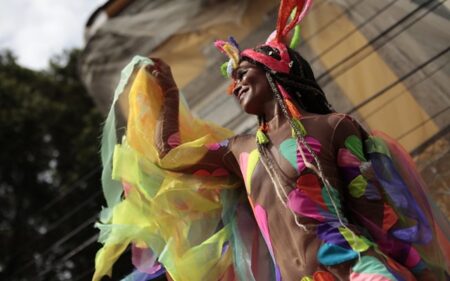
{"x":241,"y":74}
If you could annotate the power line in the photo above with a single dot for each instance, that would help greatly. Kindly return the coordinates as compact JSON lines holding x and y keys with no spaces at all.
{"x":444,"y":131}
{"x":401,"y":79}
{"x":326,"y":25}
{"x":317,"y":5}
{"x":422,"y":123}
{"x":56,"y":224}
{"x":69,"y":255}
{"x":58,"y":243}
{"x":326,"y":76}
{"x":70,"y":189}
{"x":72,"y":186}
{"x":74,"y":211}
{"x":426,"y":77}
{"x":361,"y":25}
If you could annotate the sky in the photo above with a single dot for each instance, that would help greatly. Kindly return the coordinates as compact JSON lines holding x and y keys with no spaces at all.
{"x":36,"y":30}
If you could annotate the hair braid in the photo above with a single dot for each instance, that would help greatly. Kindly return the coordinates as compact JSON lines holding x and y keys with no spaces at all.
{"x":300,"y":83}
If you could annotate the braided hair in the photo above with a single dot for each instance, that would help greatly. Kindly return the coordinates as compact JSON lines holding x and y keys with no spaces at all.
{"x":300,"y":83}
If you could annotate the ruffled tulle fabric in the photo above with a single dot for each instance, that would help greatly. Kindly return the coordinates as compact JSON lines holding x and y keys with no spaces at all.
{"x":176,"y":222}
{"x":421,"y":224}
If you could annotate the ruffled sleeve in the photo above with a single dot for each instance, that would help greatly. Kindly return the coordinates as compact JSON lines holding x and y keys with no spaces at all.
{"x":378,"y":197}
{"x":168,"y":207}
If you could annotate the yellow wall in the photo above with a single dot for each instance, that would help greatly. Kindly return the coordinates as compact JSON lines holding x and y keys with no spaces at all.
{"x":396,"y":112}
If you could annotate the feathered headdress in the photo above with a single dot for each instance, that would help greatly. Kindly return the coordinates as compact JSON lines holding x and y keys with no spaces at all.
{"x":294,"y":9}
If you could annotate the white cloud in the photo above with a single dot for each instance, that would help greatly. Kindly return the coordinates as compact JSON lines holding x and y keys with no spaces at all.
{"x":38,"y":29}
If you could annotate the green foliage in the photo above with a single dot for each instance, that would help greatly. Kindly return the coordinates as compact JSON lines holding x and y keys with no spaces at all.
{"x":49,"y":141}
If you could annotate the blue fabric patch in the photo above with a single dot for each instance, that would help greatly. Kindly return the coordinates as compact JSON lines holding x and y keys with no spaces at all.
{"x":330,"y":254}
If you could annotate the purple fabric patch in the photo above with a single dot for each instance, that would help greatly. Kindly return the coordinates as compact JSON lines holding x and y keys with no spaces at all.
{"x":330,"y":234}
{"x":144,"y":260}
{"x":224,"y":143}
{"x":137,"y":275}
{"x":406,"y":234}
{"x":401,"y":199}
{"x":372,"y":192}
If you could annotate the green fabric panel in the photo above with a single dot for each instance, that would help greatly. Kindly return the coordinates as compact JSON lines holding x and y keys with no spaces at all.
{"x":354,"y":144}
{"x":371,"y":265}
{"x":288,"y":149}
{"x":336,"y":199}
{"x":112,"y":189}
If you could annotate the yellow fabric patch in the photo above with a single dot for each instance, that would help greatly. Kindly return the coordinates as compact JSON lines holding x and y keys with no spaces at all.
{"x":357,"y":187}
{"x":358,"y":243}
{"x":253,"y":159}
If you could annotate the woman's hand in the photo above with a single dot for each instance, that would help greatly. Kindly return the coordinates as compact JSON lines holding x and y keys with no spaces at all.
{"x":163,"y":75}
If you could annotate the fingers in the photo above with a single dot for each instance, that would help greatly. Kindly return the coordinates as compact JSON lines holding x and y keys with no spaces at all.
{"x":153,"y":70}
{"x":162,"y":72}
{"x":158,"y":67}
{"x":160,"y":64}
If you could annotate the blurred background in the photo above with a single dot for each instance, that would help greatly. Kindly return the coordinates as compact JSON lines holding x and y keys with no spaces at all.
{"x":386,"y":62}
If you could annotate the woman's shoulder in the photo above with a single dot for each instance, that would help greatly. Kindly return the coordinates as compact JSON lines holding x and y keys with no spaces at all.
{"x":243,"y":139}
{"x":242,"y":143}
{"x":345,"y":124}
{"x":332,"y":120}
{"x":336,"y":119}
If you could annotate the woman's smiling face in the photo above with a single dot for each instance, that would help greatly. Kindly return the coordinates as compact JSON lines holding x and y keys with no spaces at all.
{"x":252,"y":88}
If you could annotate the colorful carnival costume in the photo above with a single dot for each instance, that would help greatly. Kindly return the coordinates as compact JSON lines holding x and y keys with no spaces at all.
{"x":320,"y":200}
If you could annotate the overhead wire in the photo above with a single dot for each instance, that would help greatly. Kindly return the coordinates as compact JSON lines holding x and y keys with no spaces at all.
{"x":432,"y":117}
{"x":58,"y":243}
{"x":399,"y":80}
{"x":333,"y":20}
{"x":409,"y":87}
{"x":70,"y":188}
{"x":353,"y":31}
{"x":374,"y":44}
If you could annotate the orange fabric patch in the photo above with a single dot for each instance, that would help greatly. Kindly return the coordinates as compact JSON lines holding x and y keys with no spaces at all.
{"x":389,"y":218}
{"x":323,"y":276}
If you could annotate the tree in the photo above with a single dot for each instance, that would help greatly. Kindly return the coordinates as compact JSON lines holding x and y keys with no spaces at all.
{"x":50,"y":191}
{"x":49,"y":146}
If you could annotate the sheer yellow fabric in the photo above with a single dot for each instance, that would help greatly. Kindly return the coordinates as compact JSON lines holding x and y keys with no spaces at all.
{"x":176,"y":215}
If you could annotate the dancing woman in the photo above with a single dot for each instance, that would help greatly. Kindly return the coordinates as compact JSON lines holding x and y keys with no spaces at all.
{"x":330,"y":201}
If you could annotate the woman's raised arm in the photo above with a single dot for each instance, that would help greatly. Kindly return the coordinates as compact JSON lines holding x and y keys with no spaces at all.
{"x":167,"y":134}
{"x":217,"y":161}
